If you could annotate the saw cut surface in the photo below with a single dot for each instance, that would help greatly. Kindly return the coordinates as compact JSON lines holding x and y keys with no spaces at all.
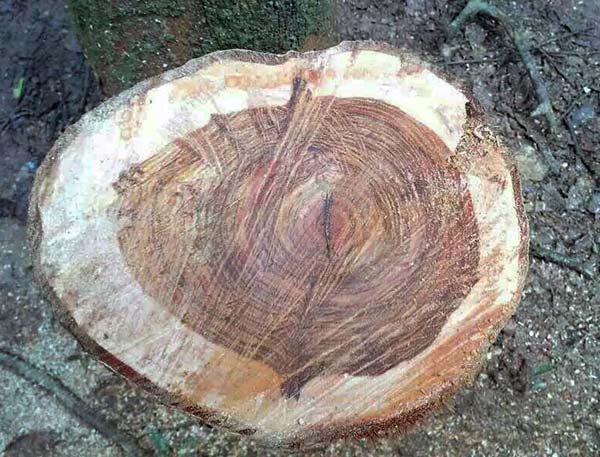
{"x":294,"y":247}
{"x":331,"y":219}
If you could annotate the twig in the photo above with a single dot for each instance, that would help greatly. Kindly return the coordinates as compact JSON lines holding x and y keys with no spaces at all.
{"x":573,"y":104}
{"x":585,"y":160}
{"x":559,"y":259}
{"x":539,"y":141}
{"x":14,"y":117}
{"x":481,"y":7}
{"x":69,"y":401}
{"x":573,"y":53}
{"x":550,"y":60}
{"x":472,"y":61}
{"x":86,"y":89}
{"x":563,"y":36}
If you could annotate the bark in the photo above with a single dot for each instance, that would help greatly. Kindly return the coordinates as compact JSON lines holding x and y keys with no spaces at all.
{"x":127,"y":41}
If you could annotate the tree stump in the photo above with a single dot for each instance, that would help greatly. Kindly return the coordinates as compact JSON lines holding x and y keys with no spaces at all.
{"x":297,"y":247}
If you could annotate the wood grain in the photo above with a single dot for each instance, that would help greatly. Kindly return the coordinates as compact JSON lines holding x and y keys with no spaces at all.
{"x":297,"y":247}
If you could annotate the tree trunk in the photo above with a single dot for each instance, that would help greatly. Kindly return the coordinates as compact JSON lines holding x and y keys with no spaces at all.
{"x":297,"y":247}
{"x":127,"y":41}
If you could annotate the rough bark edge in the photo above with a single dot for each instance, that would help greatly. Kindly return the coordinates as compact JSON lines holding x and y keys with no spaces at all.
{"x":313,"y":436}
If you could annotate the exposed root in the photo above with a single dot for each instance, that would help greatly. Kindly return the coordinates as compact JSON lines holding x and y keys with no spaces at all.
{"x":587,"y":161}
{"x":561,"y":260}
{"x":71,"y":402}
{"x":481,"y":7}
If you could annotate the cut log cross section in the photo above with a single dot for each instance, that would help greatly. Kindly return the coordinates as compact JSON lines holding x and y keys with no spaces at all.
{"x":298,"y":247}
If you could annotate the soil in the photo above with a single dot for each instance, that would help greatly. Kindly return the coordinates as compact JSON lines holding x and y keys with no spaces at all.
{"x":539,"y":394}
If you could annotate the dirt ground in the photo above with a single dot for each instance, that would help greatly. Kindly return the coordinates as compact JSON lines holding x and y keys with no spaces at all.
{"x":540,"y":392}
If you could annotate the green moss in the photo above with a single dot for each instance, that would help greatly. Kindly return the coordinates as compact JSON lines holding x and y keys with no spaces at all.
{"x":261,"y":25}
{"x":129,"y":40}
{"x":163,"y":8}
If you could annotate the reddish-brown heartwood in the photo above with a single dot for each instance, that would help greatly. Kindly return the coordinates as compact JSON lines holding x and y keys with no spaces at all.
{"x":297,"y":247}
